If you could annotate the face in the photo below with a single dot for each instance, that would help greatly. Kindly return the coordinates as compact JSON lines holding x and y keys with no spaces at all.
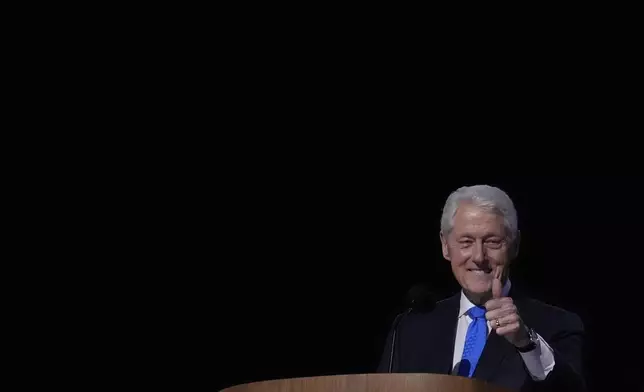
{"x":476,"y":245}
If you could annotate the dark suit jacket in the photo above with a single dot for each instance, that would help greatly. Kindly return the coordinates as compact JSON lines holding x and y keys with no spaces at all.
{"x":426,"y":344}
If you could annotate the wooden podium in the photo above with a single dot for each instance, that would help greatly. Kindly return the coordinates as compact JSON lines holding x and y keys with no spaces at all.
{"x":385,"y":382}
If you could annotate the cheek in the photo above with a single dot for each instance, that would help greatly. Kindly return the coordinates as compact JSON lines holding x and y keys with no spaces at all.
{"x":497,"y":257}
{"x":460,"y":256}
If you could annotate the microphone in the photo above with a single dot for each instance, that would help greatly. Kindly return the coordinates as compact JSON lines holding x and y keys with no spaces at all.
{"x":418,"y":299}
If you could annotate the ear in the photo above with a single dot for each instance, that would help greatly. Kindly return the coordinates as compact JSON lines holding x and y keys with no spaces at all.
{"x":444,"y":246}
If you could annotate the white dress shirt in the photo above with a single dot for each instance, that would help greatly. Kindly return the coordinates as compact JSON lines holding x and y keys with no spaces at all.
{"x":539,"y":361}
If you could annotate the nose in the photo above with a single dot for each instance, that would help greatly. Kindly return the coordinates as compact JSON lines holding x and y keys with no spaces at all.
{"x":478,"y":255}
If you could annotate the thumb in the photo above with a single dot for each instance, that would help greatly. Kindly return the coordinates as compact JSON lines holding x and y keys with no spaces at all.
{"x":497,"y":287}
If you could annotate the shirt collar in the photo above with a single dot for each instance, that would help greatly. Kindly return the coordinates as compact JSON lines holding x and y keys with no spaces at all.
{"x":466,"y":304}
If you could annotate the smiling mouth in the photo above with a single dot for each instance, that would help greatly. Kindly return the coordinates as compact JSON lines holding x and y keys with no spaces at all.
{"x":479,"y":270}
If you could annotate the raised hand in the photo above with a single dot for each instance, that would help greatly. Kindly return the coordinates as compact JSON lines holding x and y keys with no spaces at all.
{"x":504,"y":315}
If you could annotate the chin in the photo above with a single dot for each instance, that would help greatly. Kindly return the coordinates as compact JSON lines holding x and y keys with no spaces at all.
{"x":479,"y":288}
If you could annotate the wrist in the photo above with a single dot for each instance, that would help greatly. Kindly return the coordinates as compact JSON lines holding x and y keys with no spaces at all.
{"x":529,"y":343}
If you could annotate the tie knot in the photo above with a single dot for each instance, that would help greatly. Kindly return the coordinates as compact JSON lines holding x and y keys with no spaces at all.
{"x":476,"y":312}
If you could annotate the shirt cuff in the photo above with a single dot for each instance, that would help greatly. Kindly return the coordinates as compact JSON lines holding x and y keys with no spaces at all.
{"x":539,"y":361}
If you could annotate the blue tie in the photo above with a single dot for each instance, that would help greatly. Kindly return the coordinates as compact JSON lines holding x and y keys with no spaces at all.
{"x":474,"y":341}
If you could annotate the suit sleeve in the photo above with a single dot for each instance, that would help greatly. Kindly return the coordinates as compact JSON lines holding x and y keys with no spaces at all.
{"x":568,"y":373}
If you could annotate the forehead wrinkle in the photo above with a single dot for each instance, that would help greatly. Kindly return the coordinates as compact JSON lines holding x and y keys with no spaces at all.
{"x":479,"y":222}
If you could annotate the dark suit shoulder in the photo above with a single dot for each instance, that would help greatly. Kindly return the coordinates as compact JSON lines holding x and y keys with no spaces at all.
{"x":447,"y":306}
{"x":548,"y":317}
{"x":448,"y":303}
{"x":445,"y":309}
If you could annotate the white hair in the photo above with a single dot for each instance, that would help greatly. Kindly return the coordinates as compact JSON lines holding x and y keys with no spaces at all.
{"x":484,"y":196}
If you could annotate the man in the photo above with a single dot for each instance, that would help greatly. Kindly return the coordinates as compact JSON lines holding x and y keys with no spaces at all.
{"x":488,"y":331}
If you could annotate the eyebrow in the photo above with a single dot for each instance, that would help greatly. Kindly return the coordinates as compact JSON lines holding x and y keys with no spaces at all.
{"x":485,"y":237}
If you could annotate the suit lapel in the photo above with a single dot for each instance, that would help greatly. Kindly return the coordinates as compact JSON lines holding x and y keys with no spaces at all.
{"x":496,"y":348}
{"x":444,"y":335}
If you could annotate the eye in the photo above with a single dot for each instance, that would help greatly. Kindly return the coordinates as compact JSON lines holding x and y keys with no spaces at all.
{"x":494,"y":244}
{"x":464,"y":243}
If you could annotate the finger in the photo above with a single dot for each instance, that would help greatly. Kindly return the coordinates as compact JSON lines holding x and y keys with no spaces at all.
{"x":497,"y":288}
{"x":510,"y":323}
{"x":493,"y":304}
{"x":505,"y":310}
{"x":507,"y":329}
{"x":509,"y":319}
{"x":498,"y":303}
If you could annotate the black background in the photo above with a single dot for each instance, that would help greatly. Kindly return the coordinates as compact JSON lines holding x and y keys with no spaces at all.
{"x":306,"y":268}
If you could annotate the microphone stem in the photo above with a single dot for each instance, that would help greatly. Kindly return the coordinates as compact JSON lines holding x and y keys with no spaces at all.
{"x":394,"y":337}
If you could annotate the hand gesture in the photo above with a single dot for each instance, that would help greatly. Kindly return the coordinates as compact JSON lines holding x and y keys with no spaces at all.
{"x":504,"y":315}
